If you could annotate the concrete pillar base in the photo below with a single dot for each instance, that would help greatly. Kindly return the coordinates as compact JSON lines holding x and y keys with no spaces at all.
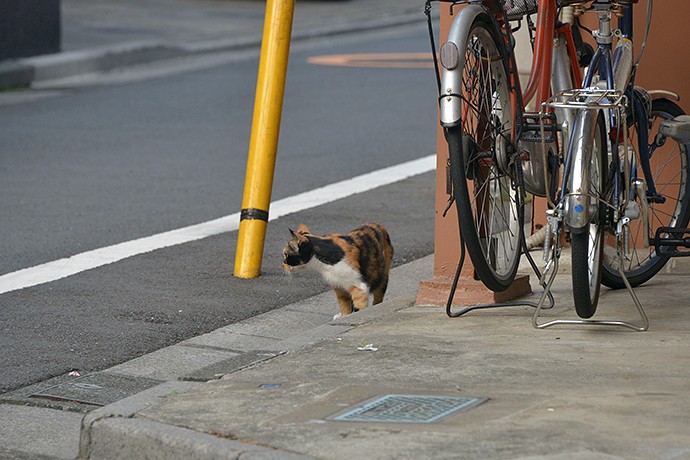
{"x":469,"y":291}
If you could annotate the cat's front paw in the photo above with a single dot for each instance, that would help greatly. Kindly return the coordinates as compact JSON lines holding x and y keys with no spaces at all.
{"x":338,"y":316}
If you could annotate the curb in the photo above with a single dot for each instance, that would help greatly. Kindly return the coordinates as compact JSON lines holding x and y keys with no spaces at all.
{"x":16,"y":74}
{"x":22,"y":73}
{"x":117,"y":438}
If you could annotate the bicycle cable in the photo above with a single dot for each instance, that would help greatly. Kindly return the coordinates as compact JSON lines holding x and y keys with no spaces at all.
{"x":648,"y":25}
{"x":427,"y":11}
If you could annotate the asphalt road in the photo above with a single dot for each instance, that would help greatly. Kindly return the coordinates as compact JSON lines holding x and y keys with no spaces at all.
{"x":96,"y":163}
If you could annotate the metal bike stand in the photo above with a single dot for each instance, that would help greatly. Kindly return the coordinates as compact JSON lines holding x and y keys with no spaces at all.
{"x":553,"y":265}
{"x":579,"y":99}
{"x":523,"y":303}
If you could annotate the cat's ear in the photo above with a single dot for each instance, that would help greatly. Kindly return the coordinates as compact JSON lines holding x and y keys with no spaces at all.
{"x":297,"y":234}
{"x":301,"y":228}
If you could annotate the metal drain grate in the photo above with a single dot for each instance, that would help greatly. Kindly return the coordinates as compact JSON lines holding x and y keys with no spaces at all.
{"x":407,"y":409}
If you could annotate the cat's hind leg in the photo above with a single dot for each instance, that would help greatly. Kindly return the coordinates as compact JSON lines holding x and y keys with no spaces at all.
{"x":345,"y":302}
{"x":378,"y":296}
{"x":380,"y":291}
{"x":360,"y":297}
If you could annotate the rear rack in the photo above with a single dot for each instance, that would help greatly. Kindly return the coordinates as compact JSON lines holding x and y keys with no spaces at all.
{"x":590,"y":98}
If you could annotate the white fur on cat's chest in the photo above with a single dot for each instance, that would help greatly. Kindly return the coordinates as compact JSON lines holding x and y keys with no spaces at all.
{"x":339,"y":275}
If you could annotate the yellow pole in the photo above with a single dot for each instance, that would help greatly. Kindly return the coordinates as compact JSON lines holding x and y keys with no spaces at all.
{"x":263,"y":143}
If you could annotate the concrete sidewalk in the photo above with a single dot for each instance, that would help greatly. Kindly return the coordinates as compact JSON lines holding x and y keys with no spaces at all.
{"x":103,"y":35}
{"x":565,"y":392}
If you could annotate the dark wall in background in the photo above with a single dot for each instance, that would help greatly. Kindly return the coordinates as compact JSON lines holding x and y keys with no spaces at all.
{"x":29,"y":28}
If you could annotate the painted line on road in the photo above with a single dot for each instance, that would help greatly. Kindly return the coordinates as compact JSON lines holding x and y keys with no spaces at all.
{"x":62,"y":268}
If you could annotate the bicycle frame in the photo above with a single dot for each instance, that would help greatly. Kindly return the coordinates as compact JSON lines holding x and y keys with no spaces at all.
{"x":539,"y":82}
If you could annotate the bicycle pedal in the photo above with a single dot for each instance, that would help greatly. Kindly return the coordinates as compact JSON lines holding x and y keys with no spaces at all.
{"x":677,"y":128}
{"x":667,"y":240}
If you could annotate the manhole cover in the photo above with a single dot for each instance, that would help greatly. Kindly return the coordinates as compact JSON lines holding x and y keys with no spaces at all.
{"x":407,"y":409}
{"x":97,"y":389}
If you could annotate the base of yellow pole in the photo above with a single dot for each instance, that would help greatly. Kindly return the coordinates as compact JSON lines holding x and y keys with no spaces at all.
{"x":250,"y":248}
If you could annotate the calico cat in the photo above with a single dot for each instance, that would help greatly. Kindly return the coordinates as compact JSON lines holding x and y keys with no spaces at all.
{"x":355,"y":265}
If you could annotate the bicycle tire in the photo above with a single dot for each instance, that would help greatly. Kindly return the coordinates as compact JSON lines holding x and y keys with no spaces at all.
{"x":587,"y":244}
{"x":643,"y":263}
{"x":485,"y":198}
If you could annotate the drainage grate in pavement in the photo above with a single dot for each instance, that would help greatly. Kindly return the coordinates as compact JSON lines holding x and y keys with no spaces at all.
{"x":407,"y":409}
{"x":98,"y":389}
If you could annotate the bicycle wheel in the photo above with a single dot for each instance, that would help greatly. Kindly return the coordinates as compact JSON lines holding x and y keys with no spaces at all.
{"x":485,"y":198}
{"x":587,"y":243}
{"x":670,"y":165}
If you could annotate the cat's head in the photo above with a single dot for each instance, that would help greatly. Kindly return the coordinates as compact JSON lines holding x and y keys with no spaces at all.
{"x":299,"y":250}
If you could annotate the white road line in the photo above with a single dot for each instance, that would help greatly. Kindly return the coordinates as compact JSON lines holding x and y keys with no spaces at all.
{"x":62,"y":268}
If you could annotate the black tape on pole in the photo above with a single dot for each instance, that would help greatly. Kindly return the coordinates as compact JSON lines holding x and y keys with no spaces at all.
{"x":253,"y":213}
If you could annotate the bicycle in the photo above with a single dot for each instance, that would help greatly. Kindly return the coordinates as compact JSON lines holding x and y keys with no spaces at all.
{"x":577,"y":151}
